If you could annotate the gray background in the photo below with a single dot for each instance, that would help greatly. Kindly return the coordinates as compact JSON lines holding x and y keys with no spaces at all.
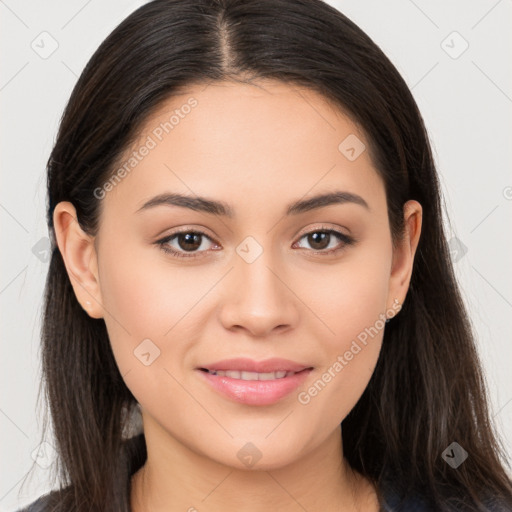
{"x":464,"y":96}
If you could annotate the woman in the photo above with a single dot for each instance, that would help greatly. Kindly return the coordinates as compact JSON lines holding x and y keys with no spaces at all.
{"x":248,"y":251}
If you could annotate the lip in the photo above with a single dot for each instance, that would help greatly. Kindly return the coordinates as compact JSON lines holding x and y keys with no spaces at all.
{"x":255,"y":392}
{"x":249,"y":365}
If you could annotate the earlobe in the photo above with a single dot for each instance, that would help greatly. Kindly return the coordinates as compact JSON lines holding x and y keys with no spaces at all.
{"x":80,"y":258}
{"x":403,"y":256}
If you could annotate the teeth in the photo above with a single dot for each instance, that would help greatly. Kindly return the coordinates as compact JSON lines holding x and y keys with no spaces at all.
{"x":233,"y":374}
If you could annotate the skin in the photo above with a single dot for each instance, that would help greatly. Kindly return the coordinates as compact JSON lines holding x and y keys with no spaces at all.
{"x":257,"y":148}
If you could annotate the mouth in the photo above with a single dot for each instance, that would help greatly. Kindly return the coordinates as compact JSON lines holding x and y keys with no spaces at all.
{"x":244,"y":375}
{"x":254,"y":388}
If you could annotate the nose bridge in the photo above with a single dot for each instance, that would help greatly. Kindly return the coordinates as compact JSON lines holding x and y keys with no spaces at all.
{"x":259,"y":299}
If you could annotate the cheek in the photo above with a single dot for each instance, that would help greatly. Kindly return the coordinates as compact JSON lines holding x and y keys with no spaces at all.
{"x":145,"y":298}
{"x":145,"y":293}
{"x":351,"y":297}
{"x":351,"y":303}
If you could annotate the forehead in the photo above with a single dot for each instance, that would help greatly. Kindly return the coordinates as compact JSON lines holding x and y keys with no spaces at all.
{"x":248,"y":145}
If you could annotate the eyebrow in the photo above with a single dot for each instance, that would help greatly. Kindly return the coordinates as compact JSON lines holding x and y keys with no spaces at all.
{"x":203,"y":204}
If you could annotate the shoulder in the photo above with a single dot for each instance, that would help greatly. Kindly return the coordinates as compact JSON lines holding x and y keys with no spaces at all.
{"x":412,"y":503}
{"x":44,"y":503}
{"x":420,"y":502}
{"x":134,"y":452}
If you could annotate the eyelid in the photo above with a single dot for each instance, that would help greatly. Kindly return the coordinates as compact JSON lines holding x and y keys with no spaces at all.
{"x":322,"y":227}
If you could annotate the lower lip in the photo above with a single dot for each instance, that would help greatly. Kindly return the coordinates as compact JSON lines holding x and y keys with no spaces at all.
{"x":256,"y":392}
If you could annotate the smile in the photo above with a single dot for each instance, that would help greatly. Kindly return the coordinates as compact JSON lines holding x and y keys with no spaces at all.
{"x":253,"y":388}
{"x":242,"y":375}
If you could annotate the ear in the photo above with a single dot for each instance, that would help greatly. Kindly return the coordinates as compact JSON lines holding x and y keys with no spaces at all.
{"x":80,"y":258}
{"x":403,"y":256}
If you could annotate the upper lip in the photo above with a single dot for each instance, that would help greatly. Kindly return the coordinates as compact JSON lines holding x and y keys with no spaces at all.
{"x":249,"y":365}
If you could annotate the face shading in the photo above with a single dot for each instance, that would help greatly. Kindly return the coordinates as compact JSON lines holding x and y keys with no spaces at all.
{"x":254,"y":225}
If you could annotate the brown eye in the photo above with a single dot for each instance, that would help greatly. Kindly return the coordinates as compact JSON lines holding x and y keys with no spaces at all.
{"x":321,"y":239}
{"x":186,"y":242}
{"x":189,"y":241}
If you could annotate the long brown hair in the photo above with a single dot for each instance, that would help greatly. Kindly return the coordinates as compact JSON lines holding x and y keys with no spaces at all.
{"x":427,"y":390}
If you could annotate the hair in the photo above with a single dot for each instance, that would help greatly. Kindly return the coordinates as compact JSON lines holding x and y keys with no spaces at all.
{"x":428,"y":388}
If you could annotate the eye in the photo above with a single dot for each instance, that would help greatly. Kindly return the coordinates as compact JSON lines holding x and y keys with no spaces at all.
{"x":188,"y":241}
{"x":321,"y":239}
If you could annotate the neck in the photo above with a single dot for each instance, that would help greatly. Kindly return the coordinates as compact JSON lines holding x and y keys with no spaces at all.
{"x":174,"y":478}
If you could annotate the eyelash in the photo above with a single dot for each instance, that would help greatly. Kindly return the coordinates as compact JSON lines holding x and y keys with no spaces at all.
{"x":347,"y":241}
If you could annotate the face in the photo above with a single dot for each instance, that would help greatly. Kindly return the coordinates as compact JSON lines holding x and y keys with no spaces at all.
{"x":254,"y":277}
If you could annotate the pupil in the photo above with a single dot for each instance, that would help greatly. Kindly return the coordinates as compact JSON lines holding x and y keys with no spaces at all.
{"x":313,"y":240}
{"x":189,"y":241}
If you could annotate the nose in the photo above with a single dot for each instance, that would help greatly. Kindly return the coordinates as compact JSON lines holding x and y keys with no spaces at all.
{"x":259,"y":298}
